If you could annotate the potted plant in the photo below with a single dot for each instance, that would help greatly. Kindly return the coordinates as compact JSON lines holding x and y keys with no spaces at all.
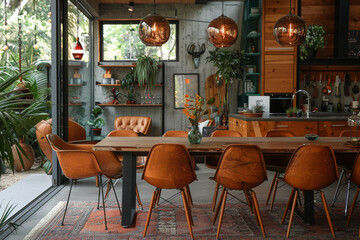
{"x":145,"y":72}
{"x":289,"y":112}
{"x":127,"y":83}
{"x":96,"y":122}
{"x":315,"y":39}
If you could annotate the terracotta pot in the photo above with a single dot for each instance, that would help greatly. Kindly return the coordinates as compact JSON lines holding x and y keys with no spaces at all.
{"x":27,"y":162}
{"x":96,"y":131}
{"x":293,"y":114}
{"x":289,"y":115}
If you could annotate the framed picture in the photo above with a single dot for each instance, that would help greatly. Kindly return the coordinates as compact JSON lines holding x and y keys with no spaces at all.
{"x":186,"y":83}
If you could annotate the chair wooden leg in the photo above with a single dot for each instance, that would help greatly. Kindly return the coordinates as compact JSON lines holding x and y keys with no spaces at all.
{"x":188,"y":202}
{"x":218,"y":206}
{"x":292,"y":213}
{"x":187,"y":189}
{"x":274,"y":192}
{"x":221,"y":213}
{"x":327,"y":213}
{"x":353,"y":205}
{"x":158,"y":196}
{"x":117,"y":200}
{"x":215,"y":197}
{"x":271,"y":188}
{"x":97,"y":181}
{"x":288,"y":205}
{"x":248,"y":201}
{"x":187,"y":212}
{"x":67,"y":203}
{"x":251,"y":197}
{"x":138,"y":198}
{"x":103,"y":199}
{"x":149,"y":213}
{"x":258,"y":214}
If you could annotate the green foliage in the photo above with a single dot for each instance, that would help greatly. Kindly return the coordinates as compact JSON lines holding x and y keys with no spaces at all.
{"x":229,"y":63}
{"x":292,"y":110}
{"x":145,"y":72}
{"x":128,"y":83}
{"x":315,"y":38}
{"x":96,"y":121}
{"x":259,"y":109}
{"x":5,"y":215}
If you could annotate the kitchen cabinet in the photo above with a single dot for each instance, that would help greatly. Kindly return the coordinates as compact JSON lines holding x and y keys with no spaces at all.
{"x":332,"y":128}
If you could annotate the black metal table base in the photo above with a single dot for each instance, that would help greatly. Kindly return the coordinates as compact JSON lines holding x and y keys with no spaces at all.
{"x":128,"y":192}
{"x":307,"y":216}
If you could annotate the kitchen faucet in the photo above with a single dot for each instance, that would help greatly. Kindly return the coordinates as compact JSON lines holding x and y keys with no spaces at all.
{"x":308,"y":98}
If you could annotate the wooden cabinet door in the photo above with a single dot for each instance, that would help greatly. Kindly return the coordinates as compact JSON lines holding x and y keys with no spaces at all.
{"x":299,"y":128}
{"x":332,"y":128}
{"x":279,"y":73}
{"x":274,"y":10}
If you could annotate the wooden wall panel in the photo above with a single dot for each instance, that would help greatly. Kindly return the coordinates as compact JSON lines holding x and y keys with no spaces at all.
{"x":354,"y":15}
{"x":321,"y":12}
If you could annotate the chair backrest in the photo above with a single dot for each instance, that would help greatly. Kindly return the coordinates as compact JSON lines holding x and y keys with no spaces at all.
{"x":76,"y":132}
{"x":169,"y":166}
{"x":226,"y":133}
{"x":355,"y":173}
{"x":346,"y":133}
{"x":175,"y":133}
{"x":241,"y":167}
{"x":311,"y":167}
{"x":137,"y":124}
{"x":75,"y":161}
{"x":122,"y":133}
{"x":280,"y":133}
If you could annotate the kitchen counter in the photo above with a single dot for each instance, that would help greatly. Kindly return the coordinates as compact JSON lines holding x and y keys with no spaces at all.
{"x":313,"y":117}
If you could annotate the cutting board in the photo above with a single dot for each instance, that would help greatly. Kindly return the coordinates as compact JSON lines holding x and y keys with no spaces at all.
{"x":212,"y":90}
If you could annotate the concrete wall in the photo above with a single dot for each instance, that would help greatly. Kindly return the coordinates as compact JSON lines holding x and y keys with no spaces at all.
{"x":189,"y":31}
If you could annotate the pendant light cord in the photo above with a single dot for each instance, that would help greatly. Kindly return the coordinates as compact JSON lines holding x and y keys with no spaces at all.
{"x":154,"y":7}
{"x":290,"y":7}
{"x":19,"y":22}
{"x":222,"y":8}
{"x":5,"y":20}
{"x":77,"y":22}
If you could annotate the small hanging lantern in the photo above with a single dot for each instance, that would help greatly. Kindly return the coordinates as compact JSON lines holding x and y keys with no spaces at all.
{"x":222,"y":31}
{"x":78,"y":50}
{"x":290,"y":30}
{"x":154,"y":30}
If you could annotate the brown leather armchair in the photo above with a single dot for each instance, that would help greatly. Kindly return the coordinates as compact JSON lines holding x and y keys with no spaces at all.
{"x":137,"y":124}
{"x":76,"y":132}
{"x":79,"y":161}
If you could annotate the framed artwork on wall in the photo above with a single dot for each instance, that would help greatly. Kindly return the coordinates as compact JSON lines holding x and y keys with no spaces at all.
{"x":185,"y":83}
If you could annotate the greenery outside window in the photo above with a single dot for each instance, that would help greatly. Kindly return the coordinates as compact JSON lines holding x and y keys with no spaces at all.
{"x":119,"y":41}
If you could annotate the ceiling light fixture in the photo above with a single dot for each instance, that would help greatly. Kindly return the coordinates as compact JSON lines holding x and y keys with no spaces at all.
{"x":131,"y":7}
{"x":222,"y":31}
{"x":154,"y":30}
{"x":290,"y":30}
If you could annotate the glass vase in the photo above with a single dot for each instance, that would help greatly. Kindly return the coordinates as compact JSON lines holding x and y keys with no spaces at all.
{"x":194,"y":136}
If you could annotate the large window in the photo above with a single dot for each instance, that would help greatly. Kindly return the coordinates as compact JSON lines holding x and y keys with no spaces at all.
{"x":119,"y":41}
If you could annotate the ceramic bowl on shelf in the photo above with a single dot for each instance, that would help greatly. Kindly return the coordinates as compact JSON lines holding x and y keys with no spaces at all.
{"x":311,"y":136}
{"x":106,"y":81}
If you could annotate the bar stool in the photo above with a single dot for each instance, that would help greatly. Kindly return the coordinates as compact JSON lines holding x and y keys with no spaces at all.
{"x":276,"y":163}
{"x":241,"y":167}
{"x":212,"y":161}
{"x":169,"y":166}
{"x":312,"y":167}
{"x":355,"y":178}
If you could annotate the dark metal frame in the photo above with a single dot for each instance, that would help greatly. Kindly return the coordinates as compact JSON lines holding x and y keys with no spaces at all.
{"x":181,"y":74}
{"x":101,"y":39}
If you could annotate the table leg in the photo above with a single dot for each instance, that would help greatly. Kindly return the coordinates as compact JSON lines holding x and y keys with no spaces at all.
{"x":128,"y":192}
{"x":308,"y":215}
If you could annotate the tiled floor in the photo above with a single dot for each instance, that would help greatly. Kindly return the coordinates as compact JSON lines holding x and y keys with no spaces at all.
{"x":202,"y":191}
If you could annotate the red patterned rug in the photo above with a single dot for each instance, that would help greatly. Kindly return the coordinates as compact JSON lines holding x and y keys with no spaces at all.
{"x":84,"y":221}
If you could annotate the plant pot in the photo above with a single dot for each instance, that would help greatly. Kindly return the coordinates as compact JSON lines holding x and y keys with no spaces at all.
{"x":28,"y":162}
{"x":289,"y":115}
{"x":293,"y":114}
{"x":96,"y":131}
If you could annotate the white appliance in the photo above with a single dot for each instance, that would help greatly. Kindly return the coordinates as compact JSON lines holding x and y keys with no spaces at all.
{"x":260,"y":100}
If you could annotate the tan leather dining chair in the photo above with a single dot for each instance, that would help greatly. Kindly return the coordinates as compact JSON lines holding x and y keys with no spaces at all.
{"x":355,"y":178}
{"x":312,"y":167}
{"x":212,"y":161}
{"x":137,"y":124}
{"x":241,"y":167}
{"x":276,"y":163}
{"x":169,"y":166}
{"x":139,"y":160}
{"x":78,"y":161}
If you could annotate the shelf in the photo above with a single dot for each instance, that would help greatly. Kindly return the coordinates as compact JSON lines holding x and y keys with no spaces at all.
{"x":253,"y":36}
{"x":76,"y":85}
{"x":253,"y":16}
{"x":120,"y":65}
{"x":253,"y":54}
{"x":129,"y":105}
{"x":75,"y":104}
{"x":119,"y":85}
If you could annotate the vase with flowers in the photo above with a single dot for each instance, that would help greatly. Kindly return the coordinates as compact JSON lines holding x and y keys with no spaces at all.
{"x":195,"y":108}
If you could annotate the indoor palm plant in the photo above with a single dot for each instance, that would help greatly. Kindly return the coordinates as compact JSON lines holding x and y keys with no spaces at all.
{"x":128,"y":83}
{"x":146,"y":71}
{"x":315,"y":39}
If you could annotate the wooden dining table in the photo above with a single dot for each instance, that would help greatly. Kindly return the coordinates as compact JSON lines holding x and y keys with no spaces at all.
{"x":131,"y":147}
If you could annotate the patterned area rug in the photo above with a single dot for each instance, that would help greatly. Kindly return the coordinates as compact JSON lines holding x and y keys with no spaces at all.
{"x":84,"y":221}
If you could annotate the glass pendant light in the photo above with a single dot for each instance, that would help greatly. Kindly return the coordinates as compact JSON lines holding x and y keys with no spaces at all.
{"x":290,"y":30}
{"x":154,"y":30}
{"x":78,"y":50}
{"x":222,"y":31}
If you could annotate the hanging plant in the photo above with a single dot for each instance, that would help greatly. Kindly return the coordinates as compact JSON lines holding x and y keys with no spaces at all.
{"x":146,"y":71}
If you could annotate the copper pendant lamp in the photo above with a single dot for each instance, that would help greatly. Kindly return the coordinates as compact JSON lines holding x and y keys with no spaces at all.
{"x":154,"y":30}
{"x":222,"y":31}
{"x":290,"y":30}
